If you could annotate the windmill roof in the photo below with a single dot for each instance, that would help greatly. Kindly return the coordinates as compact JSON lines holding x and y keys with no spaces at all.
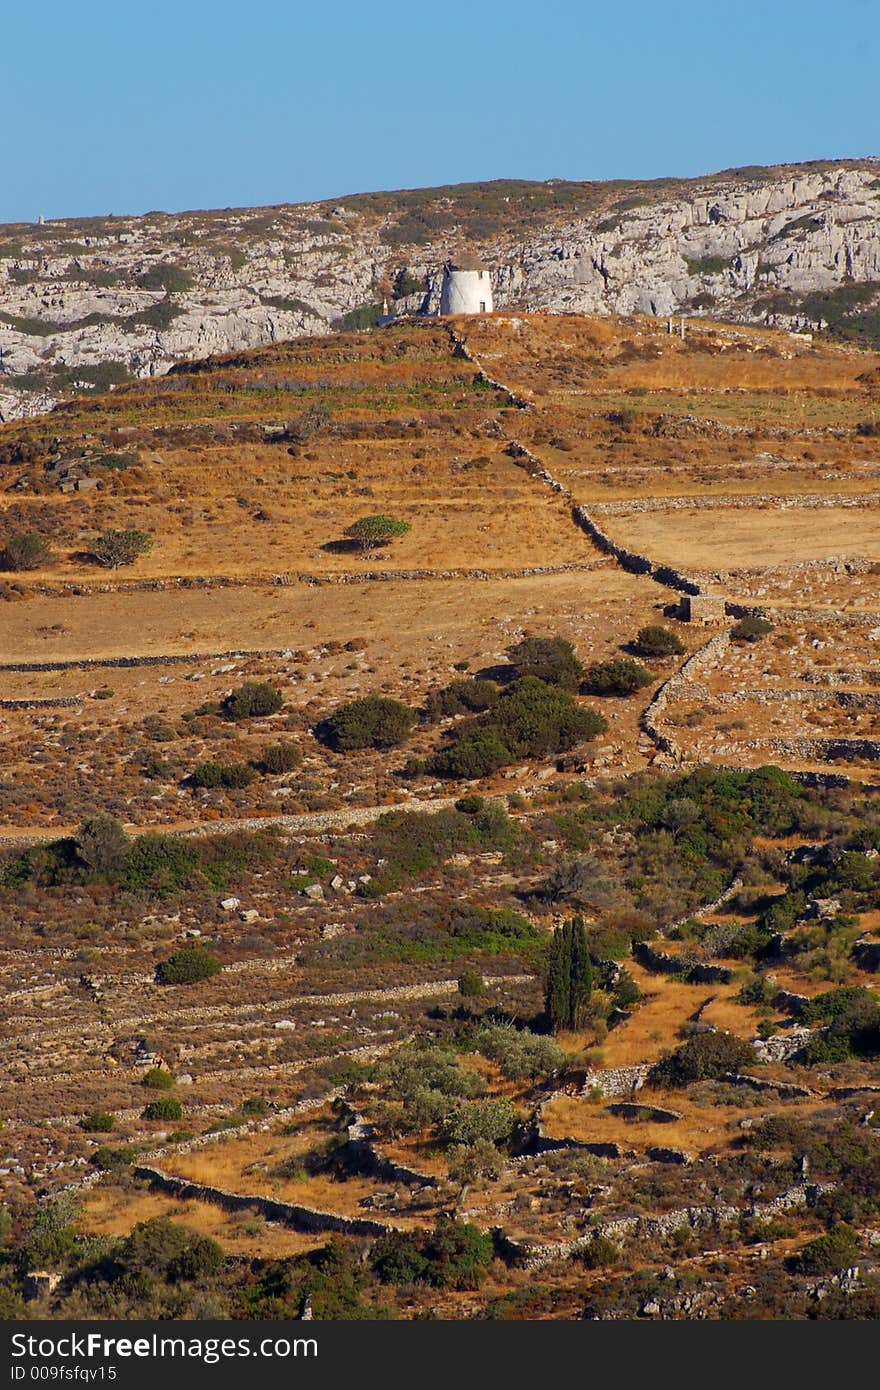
{"x":465,"y":261}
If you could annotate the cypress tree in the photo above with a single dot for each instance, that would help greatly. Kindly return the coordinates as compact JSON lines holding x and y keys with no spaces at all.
{"x":558,"y":984}
{"x":569,"y":975}
{"x":581,"y":972}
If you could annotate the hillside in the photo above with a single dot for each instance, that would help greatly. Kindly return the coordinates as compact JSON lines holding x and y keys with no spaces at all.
{"x":90,"y":302}
{"x":629,"y":626}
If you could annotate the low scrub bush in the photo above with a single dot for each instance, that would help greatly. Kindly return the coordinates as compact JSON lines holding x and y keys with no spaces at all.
{"x":656,"y":640}
{"x":454,"y":1255}
{"x":531,"y":719}
{"x":107,"y":1159}
{"x":228,"y":775}
{"x":472,"y":696}
{"x":99,"y":1122}
{"x":253,"y":700}
{"x":599,"y":1253}
{"x":187,"y":966}
{"x":25,"y":551}
{"x":279,"y":758}
{"x":520,"y":1054}
{"x":750,"y":629}
{"x":373,"y":722}
{"x":837,"y":1250}
{"x":157,"y":1079}
{"x":617,"y":677}
{"x":165,"y":1108}
{"x":173,"y":279}
{"x":704,"y":1057}
{"x":550,"y":659}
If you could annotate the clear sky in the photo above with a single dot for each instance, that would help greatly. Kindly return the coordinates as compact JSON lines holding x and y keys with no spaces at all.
{"x":113,"y":107}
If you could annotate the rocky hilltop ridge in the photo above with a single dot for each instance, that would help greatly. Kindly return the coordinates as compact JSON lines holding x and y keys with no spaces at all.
{"x":90,"y":302}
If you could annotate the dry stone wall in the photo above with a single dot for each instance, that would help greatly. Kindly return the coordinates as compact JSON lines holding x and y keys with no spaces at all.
{"x":684,"y":682}
{"x":743,"y":501}
{"x":534,"y":1255}
{"x":295,"y":1214}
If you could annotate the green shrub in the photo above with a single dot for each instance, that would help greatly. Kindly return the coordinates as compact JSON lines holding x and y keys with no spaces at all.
{"x":599,"y":1253}
{"x":458,"y":1254}
{"x":398,"y":1258}
{"x":157,"y":1079}
{"x":173,"y":279}
{"x":454,"y":1255}
{"x":470,"y":805}
{"x":837,"y":1250}
{"x":778,"y":1132}
{"x":616,"y":677}
{"x":656,"y":640}
{"x":372,"y":722}
{"x":477,"y":753}
{"x":253,"y":700}
{"x":160,"y":864}
{"x":626,"y":991}
{"x":101,"y":846}
{"x":159,"y":315}
{"x":26,"y":551}
{"x":99,"y":1122}
{"x":704,"y":1057}
{"x":531,"y":719}
{"x":852,"y":1015}
{"x":106,"y":1158}
{"x":471,"y":984}
{"x":707,"y":265}
{"x":551,"y":659}
{"x":228,"y":775}
{"x":406,"y":284}
{"x":364,"y":316}
{"x":472,"y":696}
{"x":479,"y":1119}
{"x":520,"y":1054}
{"x":279,"y":758}
{"x":162,"y":1249}
{"x":165,"y":1108}
{"x":481,"y":928}
{"x":750,"y":629}
{"x":254,"y":1106}
{"x":188,"y":965}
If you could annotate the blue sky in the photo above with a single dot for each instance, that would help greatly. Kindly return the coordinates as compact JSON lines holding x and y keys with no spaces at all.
{"x":117,"y":107}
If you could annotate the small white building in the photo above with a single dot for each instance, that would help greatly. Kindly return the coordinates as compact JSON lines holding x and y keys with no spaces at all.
{"x":467,"y":287}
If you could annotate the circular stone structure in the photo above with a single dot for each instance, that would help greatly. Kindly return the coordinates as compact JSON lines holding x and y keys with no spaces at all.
{"x":467,"y":287}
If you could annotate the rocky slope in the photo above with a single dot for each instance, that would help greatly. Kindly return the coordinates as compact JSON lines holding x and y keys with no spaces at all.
{"x":85,"y":303}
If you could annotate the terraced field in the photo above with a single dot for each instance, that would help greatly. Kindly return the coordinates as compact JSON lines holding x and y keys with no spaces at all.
{"x":561,"y":478}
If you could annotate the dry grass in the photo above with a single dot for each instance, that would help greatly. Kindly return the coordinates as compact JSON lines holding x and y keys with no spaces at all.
{"x":113,"y":1211}
{"x":751,"y":539}
{"x":248,"y":1165}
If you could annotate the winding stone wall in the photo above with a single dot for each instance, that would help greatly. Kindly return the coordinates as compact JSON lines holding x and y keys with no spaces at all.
{"x":674,"y":689}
